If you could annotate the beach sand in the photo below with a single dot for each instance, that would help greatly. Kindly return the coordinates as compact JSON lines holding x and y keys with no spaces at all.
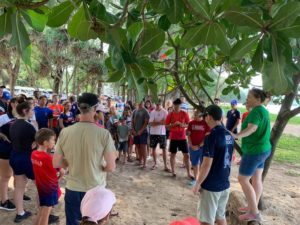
{"x":153,"y":197}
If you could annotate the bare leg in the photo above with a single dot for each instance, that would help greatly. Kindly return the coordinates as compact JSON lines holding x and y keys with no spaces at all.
{"x":222,"y":222}
{"x":165,"y":159}
{"x":172,"y":162}
{"x":196,"y":170}
{"x":21,"y":181}
{"x":154,"y":156}
{"x":186,"y":161}
{"x":5,"y":174}
{"x":249,"y":193}
{"x":143,"y":151}
{"x":43,"y":215}
{"x":257,"y":183}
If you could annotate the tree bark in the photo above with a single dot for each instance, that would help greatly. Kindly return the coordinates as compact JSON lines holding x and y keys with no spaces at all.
{"x":57,"y":80}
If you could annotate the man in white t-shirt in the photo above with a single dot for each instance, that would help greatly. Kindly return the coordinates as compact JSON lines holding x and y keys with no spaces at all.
{"x":158,"y":132}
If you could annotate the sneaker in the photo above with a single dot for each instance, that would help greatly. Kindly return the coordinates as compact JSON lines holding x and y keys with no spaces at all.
{"x":53,"y":219}
{"x":26,"y":198}
{"x":149,"y":158}
{"x":192,"y":183}
{"x":250,"y":217}
{"x":7,"y":205}
{"x":243,"y":209}
{"x":20,"y":218}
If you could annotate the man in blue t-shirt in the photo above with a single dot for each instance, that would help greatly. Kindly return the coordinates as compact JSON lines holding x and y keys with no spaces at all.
{"x":43,"y":115}
{"x":213,"y":178}
{"x":233,"y":117}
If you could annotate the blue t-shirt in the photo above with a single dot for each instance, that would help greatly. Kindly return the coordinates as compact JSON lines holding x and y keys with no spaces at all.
{"x":218,"y":145}
{"x":68,"y":119}
{"x":232,"y":117}
{"x":74,"y":109}
{"x":42,"y":116}
{"x":184,"y":107}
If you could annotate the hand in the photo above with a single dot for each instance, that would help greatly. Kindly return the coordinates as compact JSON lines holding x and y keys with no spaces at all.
{"x":196,"y":189}
{"x":233,"y":135}
{"x":4,"y":138}
{"x":195,"y":147}
{"x":62,"y":172}
{"x":177,"y":123}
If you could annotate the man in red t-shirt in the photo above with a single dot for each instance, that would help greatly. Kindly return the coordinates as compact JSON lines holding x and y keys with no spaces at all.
{"x":196,"y":131}
{"x":57,"y":110}
{"x":176,"y":122}
{"x":46,"y":178}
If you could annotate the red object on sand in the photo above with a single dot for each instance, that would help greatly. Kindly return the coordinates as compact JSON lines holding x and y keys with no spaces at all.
{"x":187,"y":221}
{"x":163,"y":56}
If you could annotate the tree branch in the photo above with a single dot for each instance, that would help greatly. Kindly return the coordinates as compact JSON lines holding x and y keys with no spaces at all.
{"x":294,"y":112}
{"x":123,"y":16}
{"x":31,"y":6}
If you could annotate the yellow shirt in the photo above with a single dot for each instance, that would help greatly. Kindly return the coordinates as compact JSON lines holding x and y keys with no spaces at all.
{"x":83,"y":145}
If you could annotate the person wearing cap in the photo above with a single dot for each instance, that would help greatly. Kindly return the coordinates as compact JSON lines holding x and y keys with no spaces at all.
{"x":213,"y":179}
{"x":158,"y":133}
{"x":89,"y":153}
{"x":177,"y":121}
{"x":96,"y":206}
{"x":140,"y":119}
{"x":4,"y":98}
{"x":233,"y":117}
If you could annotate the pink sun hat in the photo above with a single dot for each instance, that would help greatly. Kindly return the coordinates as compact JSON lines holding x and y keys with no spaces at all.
{"x":97,"y":203}
{"x":186,"y":221}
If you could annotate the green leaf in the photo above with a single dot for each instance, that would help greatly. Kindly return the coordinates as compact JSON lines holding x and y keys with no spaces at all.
{"x":287,"y":14}
{"x":26,"y":55}
{"x":20,"y":37}
{"x":108,"y":63}
{"x":257,"y":59}
{"x":60,"y":14}
{"x":147,"y":67}
{"x":115,"y":76}
{"x":98,"y":10}
{"x":164,"y":23}
{"x":36,"y":20}
{"x":241,"y":18}
{"x":134,"y":74}
{"x":151,"y":39}
{"x":199,"y":8}
{"x":117,"y":37}
{"x":206,"y":76}
{"x":79,"y":27}
{"x":227,"y":90}
{"x":174,"y":9}
{"x":116,"y":59}
{"x":152,"y":87}
{"x":243,"y":47}
{"x":134,"y":31}
{"x":223,"y":42}
{"x":292,"y":31}
{"x":5,"y":24}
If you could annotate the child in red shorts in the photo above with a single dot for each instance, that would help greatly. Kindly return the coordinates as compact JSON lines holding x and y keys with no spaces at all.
{"x":46,"y":177}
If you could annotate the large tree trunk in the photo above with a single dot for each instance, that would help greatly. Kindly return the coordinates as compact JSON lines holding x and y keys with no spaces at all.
{"x":99,"y":87}
{"x":57,"y":79}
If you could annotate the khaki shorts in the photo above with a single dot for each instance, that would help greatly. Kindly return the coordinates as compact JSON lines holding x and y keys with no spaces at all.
{"x":212,"y":206}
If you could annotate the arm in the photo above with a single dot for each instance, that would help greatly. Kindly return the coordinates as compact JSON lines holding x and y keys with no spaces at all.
{"x":60,"y":123}
{"x":204,"y":170}
{"x":236,"y":124}
{"x":251,"y":128}
{"x":57,"y":161}
{"x":3,"y":137}
{"x":143,"y":127}
{"x":110,"y":158}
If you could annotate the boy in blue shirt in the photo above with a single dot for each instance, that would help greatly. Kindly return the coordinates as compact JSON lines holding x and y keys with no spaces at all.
{"x":44,"y":115}
{"x":233,"y":117}
{"x":213,"y":179}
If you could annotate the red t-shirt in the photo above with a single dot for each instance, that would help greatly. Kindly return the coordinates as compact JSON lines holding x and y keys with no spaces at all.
{"x":46,"y":179}
{"x":245,"y":114}
{"x":57,"y":110}
{"x":177,"y":132}
{"x":197,"y":130}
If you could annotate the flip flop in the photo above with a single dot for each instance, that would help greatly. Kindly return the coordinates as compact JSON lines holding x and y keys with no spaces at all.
{"x":153,"y":167}
{"x":114,"y":214}
{"x":174,"y":175}
{"x":167,"y":170}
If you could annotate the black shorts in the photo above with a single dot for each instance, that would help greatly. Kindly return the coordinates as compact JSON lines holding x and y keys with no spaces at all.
{"x":21,"y":164}
{"x":158,"y":139}
{"x":178,"y":145}
{"x":141,"y":139}
{"x":5,"y":150}
{"x":123,"y":146}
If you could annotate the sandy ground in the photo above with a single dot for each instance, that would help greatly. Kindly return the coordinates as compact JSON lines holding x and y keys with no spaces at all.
{"x":155,"y":198}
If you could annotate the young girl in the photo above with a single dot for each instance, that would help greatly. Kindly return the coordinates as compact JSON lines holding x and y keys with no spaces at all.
{"x":96,"y":206}
{"x":66,"y":118}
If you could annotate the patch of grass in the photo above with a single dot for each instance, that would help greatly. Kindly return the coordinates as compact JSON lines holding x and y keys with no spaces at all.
{"x":295,"y":120}
{"x":288,"y":150}
{"x":292,"y":173}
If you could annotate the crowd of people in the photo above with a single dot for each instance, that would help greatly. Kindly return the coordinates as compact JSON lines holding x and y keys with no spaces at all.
{"x":45,"y":139}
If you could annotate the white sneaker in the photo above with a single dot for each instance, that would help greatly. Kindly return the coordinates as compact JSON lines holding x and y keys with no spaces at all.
{"x":149,"y":158}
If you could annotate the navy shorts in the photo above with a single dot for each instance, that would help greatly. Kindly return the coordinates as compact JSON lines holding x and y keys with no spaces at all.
{"x":123,"y":146}
{"x":196,"y":156}
{"x":48,"y":199}
{"x":158,"y":139}
{"x":141,"y":139}
{"x":250,"y":163}
{"x":21,"y":164}
{"x":5,"y":150}
{"x":180,"y":145}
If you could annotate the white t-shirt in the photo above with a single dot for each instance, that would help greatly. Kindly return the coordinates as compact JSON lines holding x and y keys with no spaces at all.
{"x":4,"y":119}
{"x":157,"y":116}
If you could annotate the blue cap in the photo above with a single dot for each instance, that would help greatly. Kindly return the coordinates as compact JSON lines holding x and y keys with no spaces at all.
{"x":233,"y":102}
{"x":6,"y":95}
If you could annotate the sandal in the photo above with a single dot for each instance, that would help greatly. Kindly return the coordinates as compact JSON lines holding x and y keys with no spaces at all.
{"x":153,"y":167}
{"x":174,"y":175}
{"x":167,"y":170}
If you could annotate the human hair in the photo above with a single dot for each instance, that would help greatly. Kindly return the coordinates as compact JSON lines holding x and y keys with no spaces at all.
{"x":65,"y":104}
{"x":72,"y":98}
{"x":43,"y":96}
{"x":23,"y":106}
{"x":43,"y":134}
{"x":217,"y":99}
{"x":14,"y":100}
{"x":259,"y":94}
{"x":148,"y":101}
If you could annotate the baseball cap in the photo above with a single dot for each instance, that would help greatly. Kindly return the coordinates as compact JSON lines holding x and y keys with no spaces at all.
{"x":187,"y":221}
{"x":214,"y":111}
{"x":97,"y":203}
{"x":87,"y":100}
{"x":177,"y":102}
{"x":233,"y":102}
{"x":6,"y":95}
